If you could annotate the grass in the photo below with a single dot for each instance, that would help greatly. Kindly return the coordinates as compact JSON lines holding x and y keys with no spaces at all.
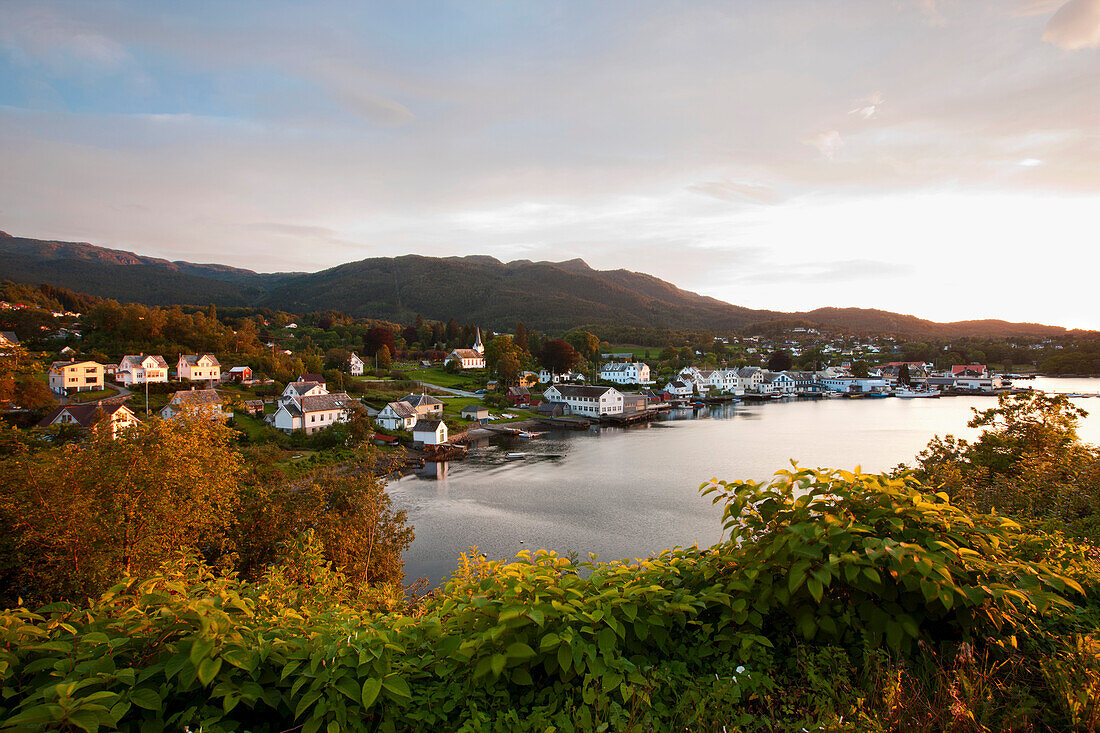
{"x":93,"y":395}
{"x":462,"y":380}
{"x":256,"y":430}
{"x":638,"y":351}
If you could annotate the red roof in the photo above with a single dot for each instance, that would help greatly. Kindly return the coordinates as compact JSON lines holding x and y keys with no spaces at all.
{"x":958,"y":369}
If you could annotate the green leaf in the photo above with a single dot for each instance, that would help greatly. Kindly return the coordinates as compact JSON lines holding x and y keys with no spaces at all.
{"x":549,"y":641}
{"x":521,"y":676}
{"x":565,"y":657}
{"x":814,"y":586}
{"x":497,"y":662}
{"x":349,"y":687}
{"x":85,"y":720}
{"x":371,"y":688}
{"x":143,"y":697}
{"x":208,"y":668}
{"x":396,"y":686}
{"x":200,"y":648}
{"x":519,"y":650}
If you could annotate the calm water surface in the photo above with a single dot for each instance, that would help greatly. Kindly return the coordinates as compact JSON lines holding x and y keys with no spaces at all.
{"x":631,"y":492}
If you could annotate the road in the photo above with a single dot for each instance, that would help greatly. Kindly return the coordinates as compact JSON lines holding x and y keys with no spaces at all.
{"x":449,"y":390}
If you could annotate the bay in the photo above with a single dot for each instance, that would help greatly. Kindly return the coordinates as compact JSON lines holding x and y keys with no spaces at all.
{"x":632,"y":492}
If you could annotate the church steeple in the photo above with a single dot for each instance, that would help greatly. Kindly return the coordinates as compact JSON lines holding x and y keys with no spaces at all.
{"x":478,"y":346}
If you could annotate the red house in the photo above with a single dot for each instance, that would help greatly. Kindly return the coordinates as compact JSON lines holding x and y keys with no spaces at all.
{"x":969,"y":370}
{"x":240,"y":374}
{"x":519,"y":396}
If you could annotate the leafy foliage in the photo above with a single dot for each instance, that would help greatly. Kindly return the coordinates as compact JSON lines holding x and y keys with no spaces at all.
{"x":830,"y":605}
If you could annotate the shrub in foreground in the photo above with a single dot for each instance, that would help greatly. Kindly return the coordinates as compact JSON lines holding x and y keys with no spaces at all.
{"x":842,"y":600}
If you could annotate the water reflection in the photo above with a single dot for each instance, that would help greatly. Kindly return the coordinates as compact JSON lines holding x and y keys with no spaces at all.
{"x":632,"y":491}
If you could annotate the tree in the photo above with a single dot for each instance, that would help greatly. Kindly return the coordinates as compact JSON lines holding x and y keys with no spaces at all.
{"x":780,"y":361}
{"x":903,"y":375}
{"x":586,"y":344}
{"x":383,"y":357}
{"x":521,"y":335}
{"x":81,"y":516}
{"x":558,"y":356}
{"x":378,"y":337}
{"x":509,"y":368}
{"x":860,"y":369}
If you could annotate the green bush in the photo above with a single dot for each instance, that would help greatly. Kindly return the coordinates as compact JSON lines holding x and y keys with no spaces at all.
{"x":840,"y":600}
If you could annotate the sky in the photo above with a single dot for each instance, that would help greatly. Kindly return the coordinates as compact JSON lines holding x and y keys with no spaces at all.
{"x":933,"y":157}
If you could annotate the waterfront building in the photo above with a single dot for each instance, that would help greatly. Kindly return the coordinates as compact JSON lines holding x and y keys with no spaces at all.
{"x":587,"y":401}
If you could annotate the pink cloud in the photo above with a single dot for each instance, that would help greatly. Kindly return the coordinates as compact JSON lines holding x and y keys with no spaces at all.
{"x":1076,"y":25}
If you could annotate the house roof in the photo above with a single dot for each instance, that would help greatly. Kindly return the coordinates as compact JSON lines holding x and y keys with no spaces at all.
{"x":240,"y":369}
{"x":573,"y":390}
{"x":420,"y":400}
{"x":300,"y":388}
{"x":320,"y":402}
{"x":958,"y":369}
{"x":132,"y":361}
{"x":677,"y":384}
{"x":426,"y":426}
{"x":311,"y":378}
{"x":519,"y":392}
{"x":617,"y":367}
{"x":86,"y":415}
{"x":402,"y":409}
{"x":467,"y":354}
{"x":9,"y":337}
{"x":194,"y":358}
{"x":196,"y":397}
{"x":475,"y":409}
{"x":747,"y":371}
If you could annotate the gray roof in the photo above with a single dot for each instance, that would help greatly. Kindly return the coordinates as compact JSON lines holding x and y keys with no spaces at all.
{"x":747,"y":371}
{"x":194,"y":358}
{"x":475,"y":409}
{"x":420,"y":400}
{"x":620,"y":367}
{"x":426,"y":426}
{"x":196,"y":397}
{"x":320,"y":402}
{"x":403,"y":409}
{"x":131,"y":361}
{"x":572,"y":390}
{"x":301,"y":388}
{"x":85,"y":415}
{"x":9,"y":336}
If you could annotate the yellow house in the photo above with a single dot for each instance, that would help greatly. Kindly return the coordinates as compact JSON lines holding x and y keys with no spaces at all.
{"x":75,"y":376}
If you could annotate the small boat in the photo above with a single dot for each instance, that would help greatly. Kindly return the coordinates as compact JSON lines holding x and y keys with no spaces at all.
{"x":910,"y":394}
{"x":516,"y":456}
{"x":527,"y":434}
{"x":878,"y":395}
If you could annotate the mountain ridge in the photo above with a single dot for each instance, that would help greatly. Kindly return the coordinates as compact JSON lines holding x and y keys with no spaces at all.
{"x":553,"y":296}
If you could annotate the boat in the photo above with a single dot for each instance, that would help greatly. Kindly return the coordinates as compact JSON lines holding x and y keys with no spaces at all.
{"x":515,"y":456}
{"x":527,"y":434}
{"x":878,"y":395}
{"x":910,"y":394}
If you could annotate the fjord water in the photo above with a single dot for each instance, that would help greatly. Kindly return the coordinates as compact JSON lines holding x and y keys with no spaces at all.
{"x":631,"y":492}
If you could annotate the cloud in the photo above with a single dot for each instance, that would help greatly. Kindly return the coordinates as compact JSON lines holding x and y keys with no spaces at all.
{"x":828,"y":143}
{"x":37,"y":35}
{"x":868,"y":107}
{"x":1076,"y":25}
{"x":350,"y":87}
{"x":727,"y":190}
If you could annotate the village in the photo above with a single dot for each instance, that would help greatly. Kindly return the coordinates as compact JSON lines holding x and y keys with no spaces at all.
{"x":438,"y":418}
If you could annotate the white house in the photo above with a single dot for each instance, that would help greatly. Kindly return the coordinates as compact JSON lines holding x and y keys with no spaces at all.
{"x":587,"y":401}
{"x":355,"y":365}
{"x":725,"y":380}
{"x":777,"y":383}
{"x":397,"y":416}
{"x":430,"y":432}
{"x":114,"y":417}
{"x":312,"y":412}
{"x":852,"y":384}
{"x":749,"y":379}
{"x":199,"y":368}
{"x":633,"y":372}
{"x":693,"y":376}
{"x":141,"y":369}
{"x":201,"y":402}
{"x":295,"y":391}
{"x":679,"y":388}
{"x":424,"y":405}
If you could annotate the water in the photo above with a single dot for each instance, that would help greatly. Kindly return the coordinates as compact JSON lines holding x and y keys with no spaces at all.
{"x":631,"y":492}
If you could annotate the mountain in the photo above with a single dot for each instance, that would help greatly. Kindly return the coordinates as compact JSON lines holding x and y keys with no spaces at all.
{"x":552,"y":296}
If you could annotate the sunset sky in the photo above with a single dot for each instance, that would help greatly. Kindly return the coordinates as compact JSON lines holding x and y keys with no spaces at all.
{"x":934,"y":157}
